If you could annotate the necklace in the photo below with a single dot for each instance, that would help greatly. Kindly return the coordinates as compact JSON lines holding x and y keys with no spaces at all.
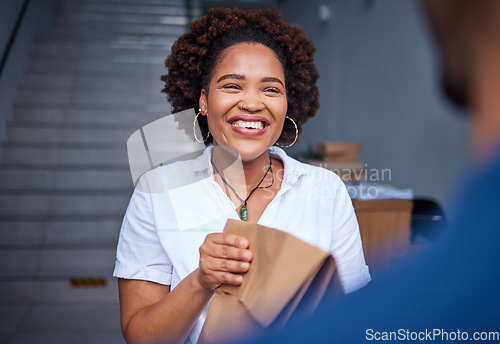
{"x":244,"y":210}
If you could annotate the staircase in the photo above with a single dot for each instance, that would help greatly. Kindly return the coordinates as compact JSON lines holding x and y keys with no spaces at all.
{"x":64,"y":176}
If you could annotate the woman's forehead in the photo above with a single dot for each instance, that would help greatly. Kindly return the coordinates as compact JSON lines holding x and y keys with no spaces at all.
{"x":249,"y":59}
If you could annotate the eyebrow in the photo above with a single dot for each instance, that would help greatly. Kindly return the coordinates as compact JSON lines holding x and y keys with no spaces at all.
{"x":242,"y":77}
{"x":272,"y":79}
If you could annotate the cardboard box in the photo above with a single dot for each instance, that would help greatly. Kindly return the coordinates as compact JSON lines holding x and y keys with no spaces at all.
{"x":347,"y":171}
{"x":339,"y":151}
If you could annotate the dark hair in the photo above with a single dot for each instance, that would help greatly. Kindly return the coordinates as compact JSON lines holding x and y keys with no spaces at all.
{"x":195,"y":54}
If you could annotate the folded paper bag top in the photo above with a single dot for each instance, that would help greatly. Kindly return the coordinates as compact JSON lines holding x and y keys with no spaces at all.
{"x":284,"y":273}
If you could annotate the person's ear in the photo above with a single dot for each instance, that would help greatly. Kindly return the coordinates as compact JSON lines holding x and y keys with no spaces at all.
{"x":203,"y":102}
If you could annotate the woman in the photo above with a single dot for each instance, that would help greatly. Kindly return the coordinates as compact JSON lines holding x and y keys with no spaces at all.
{"x":253,"y":80}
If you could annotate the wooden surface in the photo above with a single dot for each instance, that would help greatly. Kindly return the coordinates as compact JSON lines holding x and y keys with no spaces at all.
{"x":385,"y":229}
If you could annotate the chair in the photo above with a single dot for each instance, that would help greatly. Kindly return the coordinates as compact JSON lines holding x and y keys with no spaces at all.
{"x":427,"y":221}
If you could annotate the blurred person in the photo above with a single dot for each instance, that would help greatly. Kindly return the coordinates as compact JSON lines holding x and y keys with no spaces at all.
{"x":450,"y":292}
{"x":253,"y":79}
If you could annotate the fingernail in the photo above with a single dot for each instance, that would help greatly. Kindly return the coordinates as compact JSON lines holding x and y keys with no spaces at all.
{"x":245,"y":265}
{"x":243,"y":243}
{"x":247,"y":255}
{"x":238,"y":279}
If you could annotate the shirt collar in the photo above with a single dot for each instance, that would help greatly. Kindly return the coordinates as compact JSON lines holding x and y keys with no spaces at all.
{"x":293,"y":168}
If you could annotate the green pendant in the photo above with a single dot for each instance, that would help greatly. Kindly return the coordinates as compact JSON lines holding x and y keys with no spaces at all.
{"x":244,"y":212}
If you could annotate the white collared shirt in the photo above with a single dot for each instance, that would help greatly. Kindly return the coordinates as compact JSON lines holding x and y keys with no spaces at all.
{"x":174,"y":207}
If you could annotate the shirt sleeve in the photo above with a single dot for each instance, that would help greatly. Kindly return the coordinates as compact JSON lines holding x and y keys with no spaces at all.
{"x":140,"y":254}
{"x":347,"y":248}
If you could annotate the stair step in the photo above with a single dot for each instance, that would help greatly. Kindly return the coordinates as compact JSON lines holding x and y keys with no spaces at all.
{"x":83,"y":136}
{"x":144,"y":69}
{"x":71,"y":82}
{"x":68,"y":205}
{"x":104,"y":107}
{"x":98,"y":53}
{"x":19,"y":178}
{"x":137,"y":59}
{"x":118,"y":40}
{"x":117,"y":25}
{"x":30,"y":155}
{"x":150,"y":75}
{"x":178,"y":22}
{"x":64,"y":156}
{"x":72,"y":50}
{"x":76,"y":98}
{"x":57,"y":290}
{"x":64,"y":323}
{"x":113,"y":8}
{"x":84,"y":84}
{"x":89,"y":231}
{"x":95,"y":87}
{"x":98,"y":97}
{"x":69,"y":135}
{"x":56,"y":262}
{"x":85,"y":117}
{"x":88,"y":45}
{"x":148,"y":2}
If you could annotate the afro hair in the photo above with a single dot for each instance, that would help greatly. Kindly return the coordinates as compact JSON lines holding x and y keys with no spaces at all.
{"x":195,"y":54}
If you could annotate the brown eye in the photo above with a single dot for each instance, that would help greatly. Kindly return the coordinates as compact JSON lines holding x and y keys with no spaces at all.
{"x":272,"y":90}
{"x":231,"y":87}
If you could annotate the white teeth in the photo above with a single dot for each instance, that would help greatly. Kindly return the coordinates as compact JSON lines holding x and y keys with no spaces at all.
{"x":251,"y":125}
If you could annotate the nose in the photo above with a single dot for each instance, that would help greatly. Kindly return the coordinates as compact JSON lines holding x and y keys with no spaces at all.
{"x":251,"y":103}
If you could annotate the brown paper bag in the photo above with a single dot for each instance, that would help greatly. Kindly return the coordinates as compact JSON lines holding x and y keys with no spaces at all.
{"x":286,"y":275}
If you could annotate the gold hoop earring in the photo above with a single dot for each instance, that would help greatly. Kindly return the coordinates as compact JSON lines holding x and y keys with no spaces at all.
{"x":194,"y":129}
{"x":296,"y":134}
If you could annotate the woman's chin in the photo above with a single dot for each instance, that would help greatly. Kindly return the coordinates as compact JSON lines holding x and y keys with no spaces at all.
{"x":248,"y":150}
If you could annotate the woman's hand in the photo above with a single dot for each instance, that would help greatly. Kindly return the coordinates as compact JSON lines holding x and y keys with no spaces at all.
{"x":223,"y":257}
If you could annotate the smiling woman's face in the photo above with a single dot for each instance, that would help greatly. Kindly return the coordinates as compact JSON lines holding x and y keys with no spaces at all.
{"x":246,"y":104}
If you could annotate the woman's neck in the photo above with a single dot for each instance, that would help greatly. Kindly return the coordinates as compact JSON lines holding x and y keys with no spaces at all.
{"x":238,"y":172}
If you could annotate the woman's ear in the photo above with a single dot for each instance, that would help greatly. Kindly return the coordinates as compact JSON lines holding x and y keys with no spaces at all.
{"x":203,"y":102}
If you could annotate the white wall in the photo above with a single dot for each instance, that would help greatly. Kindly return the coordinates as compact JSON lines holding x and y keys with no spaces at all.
{"x":379,"y":85}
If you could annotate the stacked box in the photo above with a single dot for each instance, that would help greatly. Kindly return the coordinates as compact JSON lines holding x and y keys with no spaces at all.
{"x":341,"y":158}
